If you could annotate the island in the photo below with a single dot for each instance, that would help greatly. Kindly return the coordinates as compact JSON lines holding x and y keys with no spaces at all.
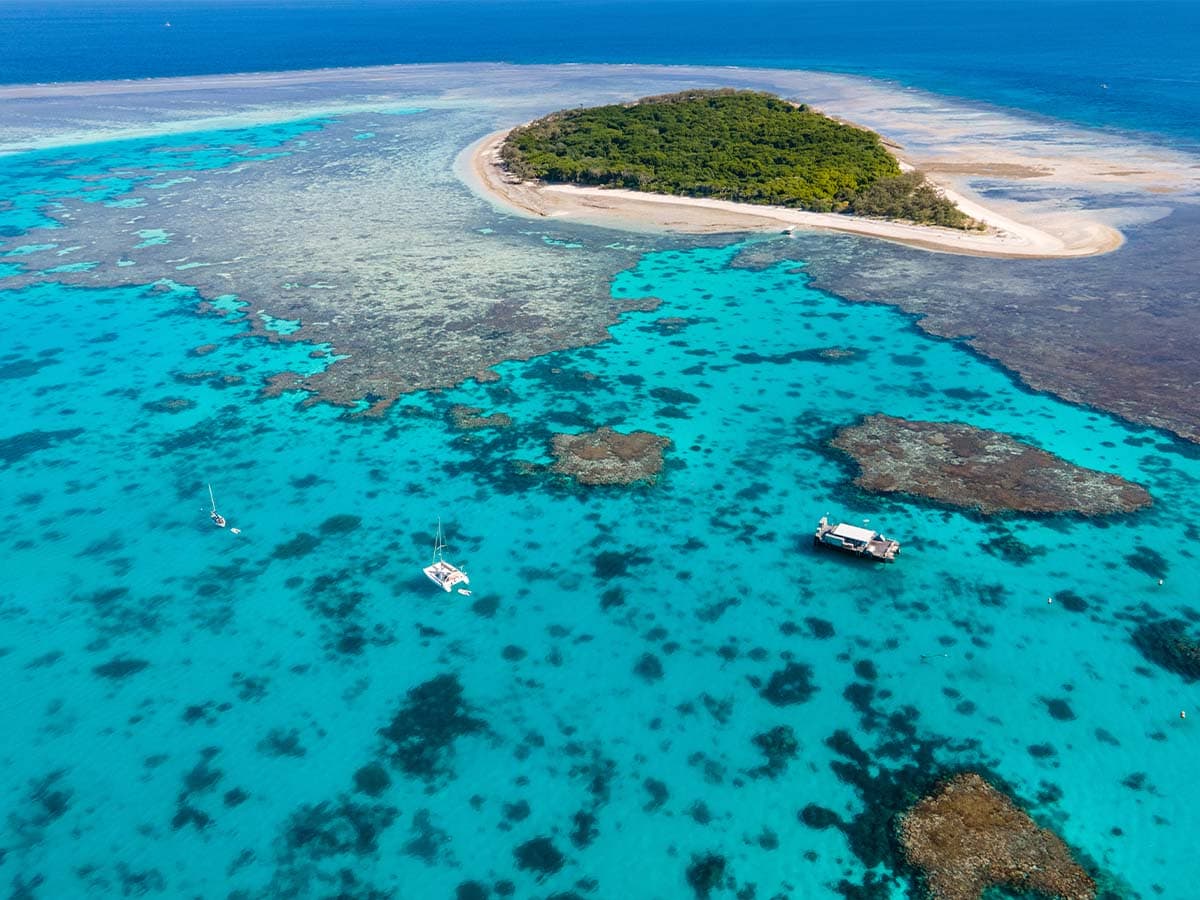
{"x":966,"y":837}
{"x":729,"y":161}
{"x":605,"y":456}
{"x":739,"y":145}
{"x":973,"y":468}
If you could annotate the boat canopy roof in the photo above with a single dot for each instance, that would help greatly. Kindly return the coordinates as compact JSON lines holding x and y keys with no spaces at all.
{"x":854,"y":533}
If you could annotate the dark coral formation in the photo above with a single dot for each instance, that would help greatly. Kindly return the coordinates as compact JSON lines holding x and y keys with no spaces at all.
{"x":422,"y":734}
{"x":1169,"y":644}
{"x":706,"y":874}
{"x":468,"y":418}
{"x":539,"y":855}
{"x":120,"y":667}
{"x":967,"y":837}
{"x":791,"y":684}
{"x":605,"y":456}
{"x":338,"y":827}
{"x":984,"y":470}
{"x":14,"y":449}
{"x":779,"y":745}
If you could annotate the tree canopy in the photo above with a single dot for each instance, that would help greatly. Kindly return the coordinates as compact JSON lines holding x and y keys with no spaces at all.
{"x":745,"y":146}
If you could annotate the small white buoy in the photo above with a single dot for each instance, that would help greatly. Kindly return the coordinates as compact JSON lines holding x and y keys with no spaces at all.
{"x":1160,"y":582}
{"x":1049,"y":599}
{"x":235,"y":531}
{"x":1183,"y":714}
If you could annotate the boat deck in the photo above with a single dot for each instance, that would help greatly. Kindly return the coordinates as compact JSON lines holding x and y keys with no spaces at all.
{"x":859,"y":541}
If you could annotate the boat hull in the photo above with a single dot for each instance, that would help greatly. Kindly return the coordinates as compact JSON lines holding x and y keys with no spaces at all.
{"x":446,"y":576}
{"x":885,"y":554}
{"x":856,"y":541}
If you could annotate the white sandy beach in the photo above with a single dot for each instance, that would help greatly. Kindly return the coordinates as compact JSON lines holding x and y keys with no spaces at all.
{"x":1065,"y":234}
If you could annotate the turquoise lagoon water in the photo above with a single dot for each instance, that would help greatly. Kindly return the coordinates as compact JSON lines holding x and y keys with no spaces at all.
{"x":295,"y":710}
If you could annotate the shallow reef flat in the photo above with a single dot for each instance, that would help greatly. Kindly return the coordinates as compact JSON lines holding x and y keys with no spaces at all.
{"x":978,"y":469}
{"x":363,"y":242}
{"x":605,"y":456}
{"x":966,"y":837}
{"x":275,"y":232}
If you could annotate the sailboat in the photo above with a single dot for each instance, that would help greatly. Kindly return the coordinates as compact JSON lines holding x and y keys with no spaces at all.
{"x":441,"y":572}
{"x":218,"y":519}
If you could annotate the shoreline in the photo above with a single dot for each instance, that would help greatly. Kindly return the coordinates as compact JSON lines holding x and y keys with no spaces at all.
{"x":1069,"y":234}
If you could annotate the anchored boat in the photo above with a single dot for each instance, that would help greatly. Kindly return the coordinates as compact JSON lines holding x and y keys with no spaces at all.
{"x":859,"y":541}
{"x":218,"y":519}
{"x":441,"y":572}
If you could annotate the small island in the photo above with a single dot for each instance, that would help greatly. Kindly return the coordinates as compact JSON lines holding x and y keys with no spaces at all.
{"x":605,"y":456}
{"x":966,"y":837}
{"x":743,"y":146}
{"x":730,"y":161}
{"x":977,"y":469}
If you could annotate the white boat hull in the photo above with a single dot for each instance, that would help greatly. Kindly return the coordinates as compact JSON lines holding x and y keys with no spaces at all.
{"x":446,"y":576}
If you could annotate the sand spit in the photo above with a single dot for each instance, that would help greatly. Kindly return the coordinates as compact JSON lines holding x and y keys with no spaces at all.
{"x":1006,"y":236}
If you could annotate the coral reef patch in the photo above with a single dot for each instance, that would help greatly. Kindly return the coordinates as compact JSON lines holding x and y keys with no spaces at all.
{"x":967,"y":837}
{"x":984,"y":470}
{"x":1171,"y":645}
{"x":605,"y":456}
{"x":468,"y":418}
{"x":422,"y":734}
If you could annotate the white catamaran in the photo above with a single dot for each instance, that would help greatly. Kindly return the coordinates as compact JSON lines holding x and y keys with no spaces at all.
{"x":218,"y":519}
{"x":441,"y":572}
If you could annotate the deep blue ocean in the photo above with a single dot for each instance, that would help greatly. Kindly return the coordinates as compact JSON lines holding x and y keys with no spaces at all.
{"x":1131,"y":65}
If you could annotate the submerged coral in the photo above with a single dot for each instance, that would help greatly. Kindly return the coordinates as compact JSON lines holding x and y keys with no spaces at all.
{"x":605,"y":456}
{"x":1171,"y":645}
{"x":468,"y":418}
{"x":421,"y":735}
{"x":975,"y":468}
{"x":967,"y":837}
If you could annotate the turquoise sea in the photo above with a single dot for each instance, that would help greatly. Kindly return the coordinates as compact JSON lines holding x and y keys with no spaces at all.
{"x":660,"y":691}
{"x":654,"y":692}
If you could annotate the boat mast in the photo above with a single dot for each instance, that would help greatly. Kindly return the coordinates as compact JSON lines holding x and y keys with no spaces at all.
{"x":437,"y":542}
{"x":212,"y":498}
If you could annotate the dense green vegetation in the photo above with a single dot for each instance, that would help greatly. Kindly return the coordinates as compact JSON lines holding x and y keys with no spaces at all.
{"x":909,"y":196}
{"x":732,"y":145}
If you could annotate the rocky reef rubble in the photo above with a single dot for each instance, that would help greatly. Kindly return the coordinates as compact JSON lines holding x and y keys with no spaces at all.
{"x":605,"y":456}
{"x":468,"y":418}
{"x":967,"y":837}
{"x":971,"y":467}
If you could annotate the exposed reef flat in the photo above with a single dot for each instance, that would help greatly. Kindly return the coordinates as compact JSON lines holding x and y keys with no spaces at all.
{"x":967,"y":837}
{"x":350,"y":285}
{"x":605,"y":456}
{"x":978,"y":469}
